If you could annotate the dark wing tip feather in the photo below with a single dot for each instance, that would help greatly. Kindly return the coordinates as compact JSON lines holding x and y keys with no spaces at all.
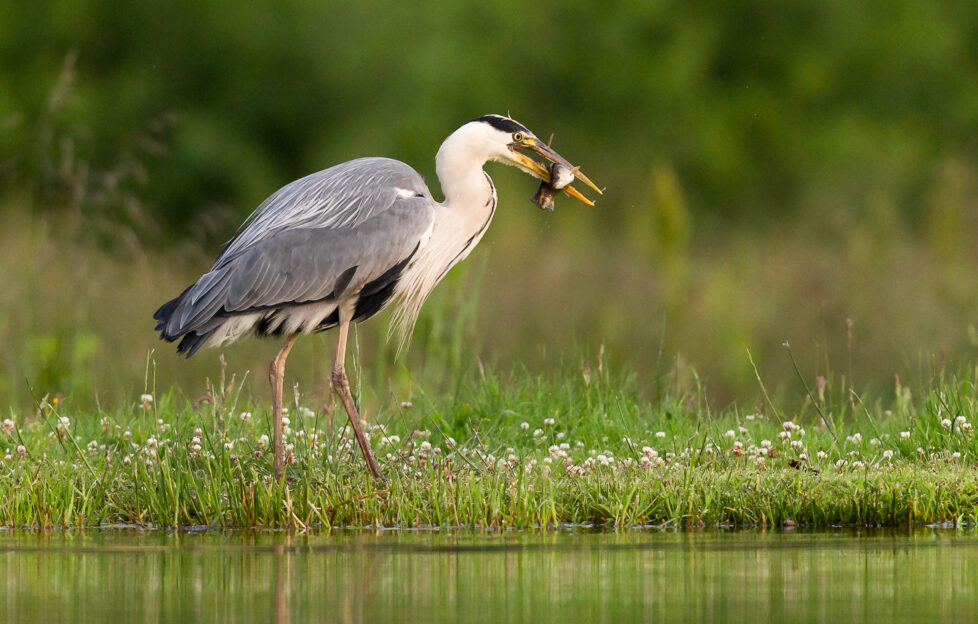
{"x":165,"y":311}
{"x":192,"y":343}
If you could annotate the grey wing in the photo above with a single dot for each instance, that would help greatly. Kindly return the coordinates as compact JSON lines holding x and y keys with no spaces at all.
{"x":342,"y":196}
{"x":304,"y":265}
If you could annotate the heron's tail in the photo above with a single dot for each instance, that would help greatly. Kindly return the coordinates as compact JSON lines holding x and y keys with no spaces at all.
{"x":190,"y":342}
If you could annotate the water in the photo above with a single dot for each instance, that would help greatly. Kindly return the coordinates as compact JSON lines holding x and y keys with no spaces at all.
{"x":925,"y":575}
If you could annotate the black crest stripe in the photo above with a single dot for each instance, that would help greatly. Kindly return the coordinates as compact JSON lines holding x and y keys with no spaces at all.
{"x":502,"y":123}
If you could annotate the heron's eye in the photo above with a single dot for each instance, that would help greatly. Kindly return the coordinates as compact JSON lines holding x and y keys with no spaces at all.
{"x":518,"y":137}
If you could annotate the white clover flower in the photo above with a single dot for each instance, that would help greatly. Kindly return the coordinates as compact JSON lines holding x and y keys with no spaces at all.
{"x":146,"y":400}
{"x":841,"y":463}
{"x":127,"y":460}
{"x":784,"y":435}
{"x":730,"y":433}
{"x":660,"y":434}
{"x":803,"y":456}
{"x":8,"y":426}
{"x":858,"y":465}
{"x":537,"y":433}
{"x":229,"y":445}
{"x":960,"y":420}
{"x":888,"y":455}
{"x":797,"y":444}
{"x":765,"y":444}
{"x":21,"y":450}
{"x":548,"y":421}
{"x":955,"y":456}
{"x":750,"y":416}
{"x":821,"y":455}
{"x":904,"y":435}
{"x":524,"y":425}
{"x":263,"y":441}
{"x":245,"y":416}
{"x":742,"y":430}
{"x":946,"y":423}
{"x":760,"y":461}
{"x":855,"y":438}
{"x":426,"y":446}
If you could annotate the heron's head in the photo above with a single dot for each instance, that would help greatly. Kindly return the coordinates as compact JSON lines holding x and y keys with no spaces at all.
{"x":505,"y":140}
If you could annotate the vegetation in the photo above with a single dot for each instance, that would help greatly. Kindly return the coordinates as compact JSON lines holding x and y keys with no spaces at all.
{"x":757,"y":108}
{"x":507,"y":451}
{"x":798,"y":171}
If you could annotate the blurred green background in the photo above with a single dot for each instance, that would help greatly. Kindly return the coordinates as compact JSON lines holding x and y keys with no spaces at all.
{"x":791,"y":170}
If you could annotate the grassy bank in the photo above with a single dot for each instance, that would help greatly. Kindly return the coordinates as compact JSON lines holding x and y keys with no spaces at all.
{"x":505,"y":451}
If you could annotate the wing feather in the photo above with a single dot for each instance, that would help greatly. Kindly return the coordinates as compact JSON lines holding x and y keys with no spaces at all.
{"x":368,"y":213}
{"x":340,"y":197}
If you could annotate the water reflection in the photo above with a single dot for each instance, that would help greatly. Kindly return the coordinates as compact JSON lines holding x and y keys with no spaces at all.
{"x":95,"y":575}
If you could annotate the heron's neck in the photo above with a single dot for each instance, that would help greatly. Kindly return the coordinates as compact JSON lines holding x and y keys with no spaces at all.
{"x":464,"y":183}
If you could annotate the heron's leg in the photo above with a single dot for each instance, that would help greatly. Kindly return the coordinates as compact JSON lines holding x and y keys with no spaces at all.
{"x":342,"y":386}
{"x":276,"y":376}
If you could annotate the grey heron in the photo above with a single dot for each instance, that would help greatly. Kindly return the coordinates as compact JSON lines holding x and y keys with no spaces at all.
{"x":340,"y":245}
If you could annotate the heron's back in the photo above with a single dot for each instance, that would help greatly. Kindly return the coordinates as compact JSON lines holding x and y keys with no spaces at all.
{"x":342,"y":236}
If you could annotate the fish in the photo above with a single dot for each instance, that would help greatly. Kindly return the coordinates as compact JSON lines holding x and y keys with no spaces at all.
{"x":560,"y":176}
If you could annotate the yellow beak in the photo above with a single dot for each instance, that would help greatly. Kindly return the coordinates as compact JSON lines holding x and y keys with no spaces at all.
{"x":541,"y":171}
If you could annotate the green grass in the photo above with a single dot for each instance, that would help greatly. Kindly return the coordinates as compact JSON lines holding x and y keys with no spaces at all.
{"x":492,"y":456}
